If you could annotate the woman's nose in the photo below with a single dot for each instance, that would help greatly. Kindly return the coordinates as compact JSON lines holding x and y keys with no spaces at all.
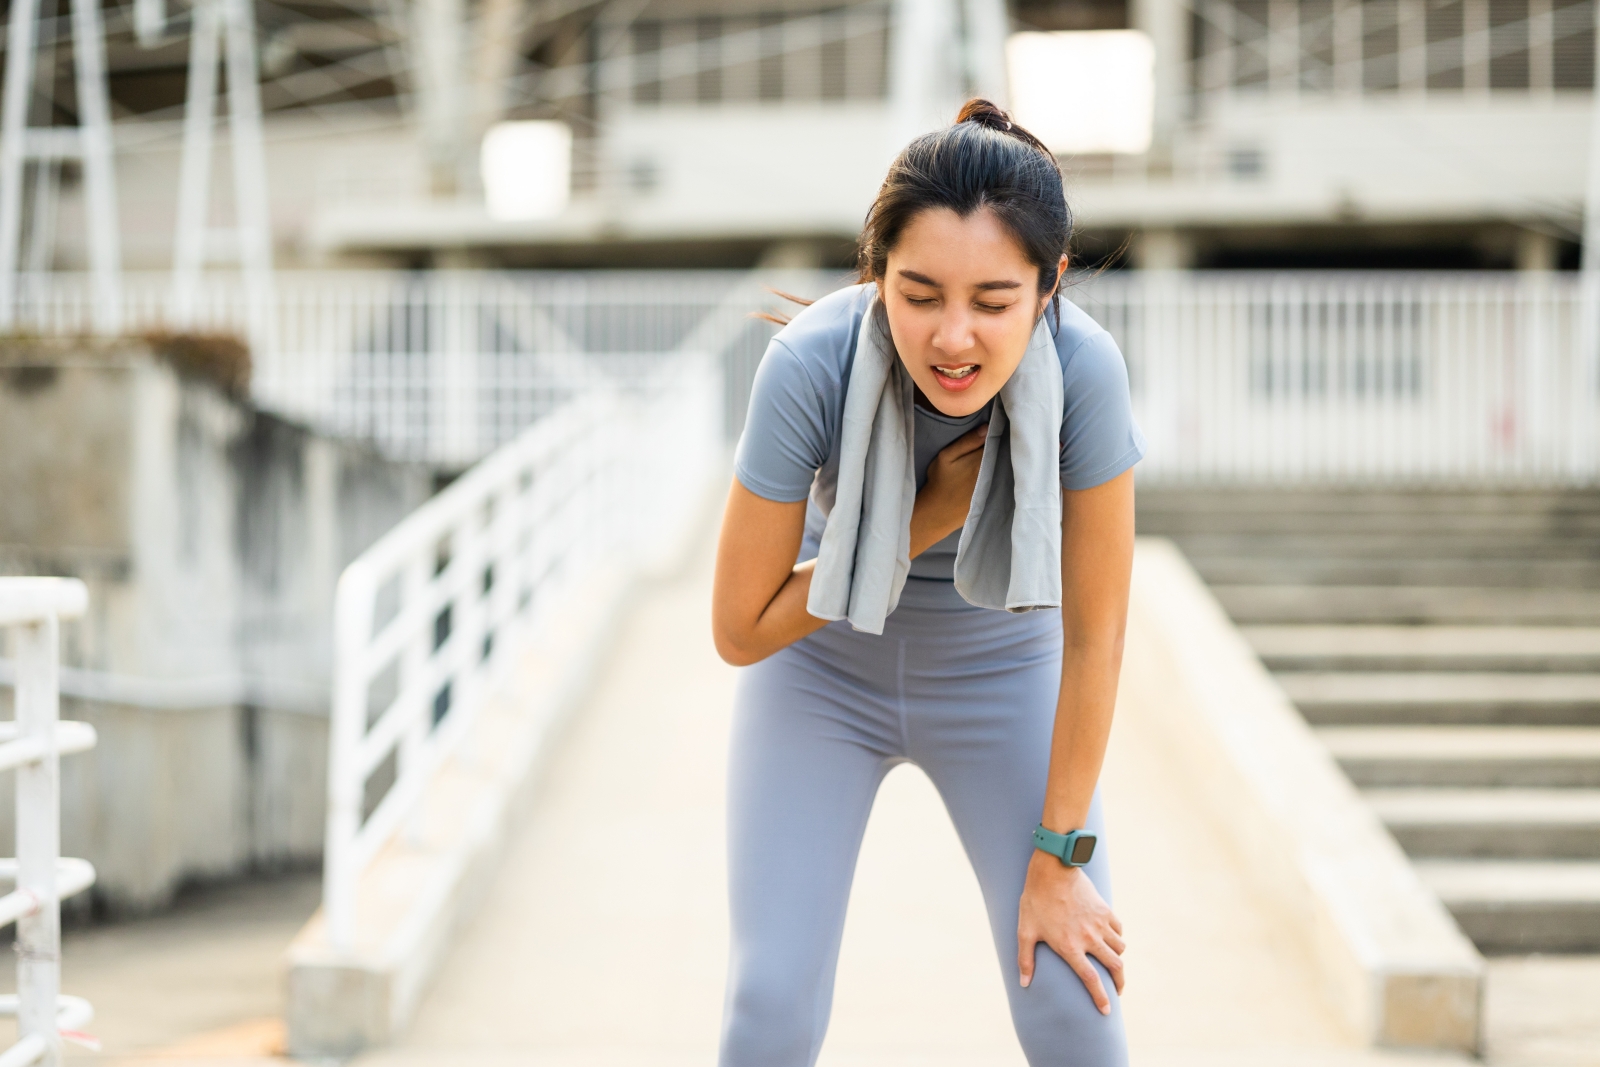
{"x":954,"y":335}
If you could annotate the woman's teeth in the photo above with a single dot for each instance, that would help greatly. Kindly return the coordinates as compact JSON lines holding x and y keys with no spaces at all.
{"x":956,"y":373}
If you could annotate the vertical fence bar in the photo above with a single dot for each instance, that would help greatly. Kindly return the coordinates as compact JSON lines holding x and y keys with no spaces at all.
{"x":38,"y":834}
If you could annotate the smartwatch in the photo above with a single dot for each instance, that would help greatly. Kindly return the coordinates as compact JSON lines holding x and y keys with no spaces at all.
{"x":1073,"y":849}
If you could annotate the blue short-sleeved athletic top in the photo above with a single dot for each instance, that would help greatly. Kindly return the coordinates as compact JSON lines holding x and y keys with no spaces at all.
{"x":790,"y":447}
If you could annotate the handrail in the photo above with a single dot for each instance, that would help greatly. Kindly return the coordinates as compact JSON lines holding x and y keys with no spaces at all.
{"x":430,"y":615}
{"x":32,"y":744}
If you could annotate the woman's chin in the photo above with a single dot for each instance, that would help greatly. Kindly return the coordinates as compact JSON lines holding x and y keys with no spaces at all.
{"x":960,"y":398}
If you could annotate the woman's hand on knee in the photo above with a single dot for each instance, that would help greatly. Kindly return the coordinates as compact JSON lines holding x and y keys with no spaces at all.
{"x":1062,"y":908}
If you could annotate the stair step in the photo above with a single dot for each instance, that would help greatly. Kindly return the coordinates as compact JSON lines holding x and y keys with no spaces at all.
{"x":1276,"y":568}
{"x":1461,"y":697}
{"x":1320,"y":542}
{"x":1249,"y":604}
{"x":1492,"y":823}
{"x":1535,"y":757}
{"x":1427,"y":648}
{"x":1509,"y":906}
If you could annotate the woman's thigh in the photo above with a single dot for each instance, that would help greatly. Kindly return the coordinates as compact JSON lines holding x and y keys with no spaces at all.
{"x":982,"y":732}
{"x":809,"y":750}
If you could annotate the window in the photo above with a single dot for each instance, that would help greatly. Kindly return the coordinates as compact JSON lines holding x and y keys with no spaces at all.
{"x":1389,"y":46}
{"x":833,"y":54}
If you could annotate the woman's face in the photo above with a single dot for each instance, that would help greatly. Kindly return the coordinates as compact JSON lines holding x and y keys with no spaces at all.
{"x":962,"y":302}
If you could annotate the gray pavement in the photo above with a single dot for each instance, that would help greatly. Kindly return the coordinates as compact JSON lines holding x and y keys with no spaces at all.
{"x":588,"y":954}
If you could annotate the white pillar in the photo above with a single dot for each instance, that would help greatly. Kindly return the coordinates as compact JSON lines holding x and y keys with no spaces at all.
{"x":437,"y":48}
{"x":1163,"y":248}
{"x":988,"y":24}
{"x":1589,"y":328}
{"x":1537,"y":251}
{"x":1166,"y":22}
{"x":924,"y":69}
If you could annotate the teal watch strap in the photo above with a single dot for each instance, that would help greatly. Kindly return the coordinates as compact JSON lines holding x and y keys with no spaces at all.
{"x":1073,"y":850}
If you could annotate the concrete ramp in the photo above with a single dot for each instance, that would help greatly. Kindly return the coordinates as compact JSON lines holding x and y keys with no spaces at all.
{"x":588,"y":954}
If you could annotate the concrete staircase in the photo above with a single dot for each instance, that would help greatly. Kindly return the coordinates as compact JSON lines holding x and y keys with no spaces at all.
{"x":1446,"y":646}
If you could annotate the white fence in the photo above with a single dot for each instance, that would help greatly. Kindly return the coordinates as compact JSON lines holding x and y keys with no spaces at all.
{"x":428,"y":617}
{"x":445,"y":366}
{"x":1289,"y":377}
{"x":31,"y":745}
{"x":1295,"y":378}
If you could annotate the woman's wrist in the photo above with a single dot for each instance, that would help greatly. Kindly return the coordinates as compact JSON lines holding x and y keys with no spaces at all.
{"x":928,"y":525}
{"x":1043,"y":865}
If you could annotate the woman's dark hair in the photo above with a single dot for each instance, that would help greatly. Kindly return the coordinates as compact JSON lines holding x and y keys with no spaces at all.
{"x":985,"y":160}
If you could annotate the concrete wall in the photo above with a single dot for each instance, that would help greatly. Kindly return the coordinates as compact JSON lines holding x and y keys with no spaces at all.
{"x":210,"y":535}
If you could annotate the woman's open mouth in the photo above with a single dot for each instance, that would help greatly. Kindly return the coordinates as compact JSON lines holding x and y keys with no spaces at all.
{"x":956,"y":379}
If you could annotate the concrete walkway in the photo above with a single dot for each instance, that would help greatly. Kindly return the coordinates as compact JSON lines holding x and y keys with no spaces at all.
{"x":588,"y":953}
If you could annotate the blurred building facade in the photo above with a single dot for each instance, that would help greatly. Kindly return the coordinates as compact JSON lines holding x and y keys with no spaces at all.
{"x":1315,"y":133}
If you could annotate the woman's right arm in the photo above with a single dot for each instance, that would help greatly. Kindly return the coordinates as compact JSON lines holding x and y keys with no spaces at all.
{"x":758,"y":601}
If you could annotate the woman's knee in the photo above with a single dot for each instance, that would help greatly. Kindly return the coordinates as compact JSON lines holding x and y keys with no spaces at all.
{"x":772,"y":1015}
{"x":1057,"y":1022}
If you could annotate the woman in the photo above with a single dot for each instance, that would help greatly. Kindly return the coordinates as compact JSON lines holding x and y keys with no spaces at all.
{"x":1006,"y":711}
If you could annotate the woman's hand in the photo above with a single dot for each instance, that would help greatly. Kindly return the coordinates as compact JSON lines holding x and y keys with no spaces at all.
{"x":1062,"y":908}
{"x":944,"y":499}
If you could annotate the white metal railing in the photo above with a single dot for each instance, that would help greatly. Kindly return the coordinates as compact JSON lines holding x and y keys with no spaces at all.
{"x":427,"y":617}
{"x":31,"y":745}
{"x":1293,"y":377}
{"x":1353,"y":377}
{"x":445,"y":366}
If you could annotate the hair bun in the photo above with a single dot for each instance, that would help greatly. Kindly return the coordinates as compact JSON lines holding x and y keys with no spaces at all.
{"x":985,"y":113}
{"x":992,"y":116}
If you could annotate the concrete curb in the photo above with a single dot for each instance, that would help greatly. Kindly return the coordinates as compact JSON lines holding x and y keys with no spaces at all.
{"x":1394,"y":963}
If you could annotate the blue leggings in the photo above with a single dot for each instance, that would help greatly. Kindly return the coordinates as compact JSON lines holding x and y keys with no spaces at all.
{"x":969,"y":696}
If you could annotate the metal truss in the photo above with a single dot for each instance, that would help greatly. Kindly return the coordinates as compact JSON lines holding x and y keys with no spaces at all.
{"x":46,"y":146}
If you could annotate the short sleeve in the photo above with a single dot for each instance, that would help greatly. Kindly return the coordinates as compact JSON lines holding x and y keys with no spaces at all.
{"x":785,"y":436}
{"x":1099,"y":439}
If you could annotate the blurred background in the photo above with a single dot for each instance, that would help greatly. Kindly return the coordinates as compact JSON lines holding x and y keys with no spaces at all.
{"x":287,"y":285}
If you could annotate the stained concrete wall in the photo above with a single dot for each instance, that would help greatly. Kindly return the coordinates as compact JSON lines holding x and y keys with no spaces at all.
{"x":210,"y":535}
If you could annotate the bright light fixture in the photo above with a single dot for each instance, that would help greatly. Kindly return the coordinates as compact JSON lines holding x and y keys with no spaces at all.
{"x":1084,"y":91}
{"x":527,"y":169}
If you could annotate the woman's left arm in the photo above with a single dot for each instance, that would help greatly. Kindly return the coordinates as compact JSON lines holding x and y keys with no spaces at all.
{"x":1060,"y":906}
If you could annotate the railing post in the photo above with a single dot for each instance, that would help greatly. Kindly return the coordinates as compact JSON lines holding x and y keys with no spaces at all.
{"x":38,"y":835}
{"x":352,"y":629}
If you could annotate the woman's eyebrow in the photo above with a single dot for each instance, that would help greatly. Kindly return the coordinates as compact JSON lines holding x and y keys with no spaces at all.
{"x":923,"y":279}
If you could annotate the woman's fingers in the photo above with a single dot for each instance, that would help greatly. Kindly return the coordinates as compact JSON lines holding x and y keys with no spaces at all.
{"x":966,"y":444}
{"x":1091,"y":981}
{"x":1025,"y":951}
{"x":1112,"y":959}
{"x":1116,"y":943}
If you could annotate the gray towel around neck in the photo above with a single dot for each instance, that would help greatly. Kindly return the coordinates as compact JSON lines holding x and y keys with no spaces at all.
{"x":1010,"y":551}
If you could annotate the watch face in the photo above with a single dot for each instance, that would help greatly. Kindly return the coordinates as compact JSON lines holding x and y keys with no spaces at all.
{"x":1082,"y":849}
